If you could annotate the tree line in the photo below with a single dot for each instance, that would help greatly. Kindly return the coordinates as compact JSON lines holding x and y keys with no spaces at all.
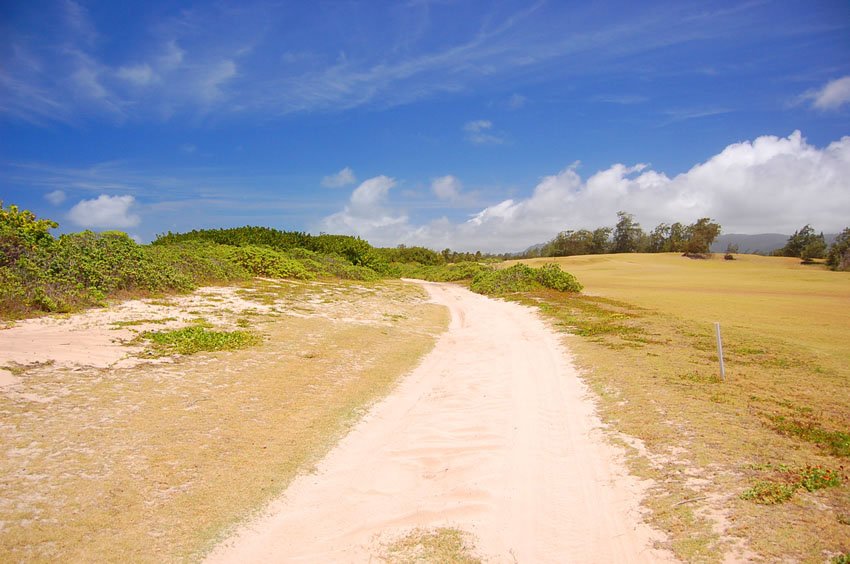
{"x":808,"y":245}
{"x":627,"y":236}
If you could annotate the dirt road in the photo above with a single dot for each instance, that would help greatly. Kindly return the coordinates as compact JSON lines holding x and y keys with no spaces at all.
{"x":493,"y":434}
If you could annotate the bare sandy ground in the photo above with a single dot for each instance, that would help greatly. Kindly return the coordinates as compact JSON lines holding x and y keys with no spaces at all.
{"x":493,"y":434}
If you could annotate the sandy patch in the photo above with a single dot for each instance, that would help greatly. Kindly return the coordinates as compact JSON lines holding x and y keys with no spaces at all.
{"x":100,"y":338}
{"x":493,"y":434}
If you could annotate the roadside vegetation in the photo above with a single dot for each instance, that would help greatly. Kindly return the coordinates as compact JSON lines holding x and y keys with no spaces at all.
{"x":757,"y":464}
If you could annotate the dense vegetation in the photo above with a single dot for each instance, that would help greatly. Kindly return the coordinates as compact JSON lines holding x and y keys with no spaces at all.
{"x":524,"y":278}
{"x":43,"y":273}
{"x":806,"y":244}
{"x":627,"y":236}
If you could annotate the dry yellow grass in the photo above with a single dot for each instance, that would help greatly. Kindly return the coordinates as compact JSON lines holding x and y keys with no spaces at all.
{"x":156,"y":463}
{"x":647,"y":348}
{"x":444,"y":545}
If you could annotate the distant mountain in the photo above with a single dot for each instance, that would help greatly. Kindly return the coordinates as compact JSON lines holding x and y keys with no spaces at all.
{"x":762,"y":243}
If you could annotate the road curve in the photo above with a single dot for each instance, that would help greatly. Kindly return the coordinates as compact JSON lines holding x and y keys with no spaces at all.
{"x":493,"y":434}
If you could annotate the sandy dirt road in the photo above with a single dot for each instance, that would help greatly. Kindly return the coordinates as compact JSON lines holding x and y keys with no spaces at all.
{"x":493,"y":434}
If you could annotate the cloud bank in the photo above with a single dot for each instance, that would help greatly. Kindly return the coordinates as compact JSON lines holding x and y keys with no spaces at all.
{"x":105,"y":212}
{"x":766,"y":185}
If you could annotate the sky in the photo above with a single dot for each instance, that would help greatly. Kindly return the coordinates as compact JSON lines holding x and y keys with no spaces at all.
{"x":471,"y":125}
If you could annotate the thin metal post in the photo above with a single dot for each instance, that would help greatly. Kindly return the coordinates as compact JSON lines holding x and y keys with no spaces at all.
{"x":720,"y":350}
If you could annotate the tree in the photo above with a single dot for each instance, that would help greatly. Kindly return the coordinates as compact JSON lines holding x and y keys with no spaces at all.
{"x":599,"y":244}
{"x":701,"y":235}
{"x":838,"y":257}
{"x":800,"y":240}
{"x":627,"y":234}
{"x":658,"y":238}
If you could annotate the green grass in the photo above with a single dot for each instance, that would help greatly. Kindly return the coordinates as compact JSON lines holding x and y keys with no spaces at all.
{"x":644,"y":339}
{"x":196,"y":338}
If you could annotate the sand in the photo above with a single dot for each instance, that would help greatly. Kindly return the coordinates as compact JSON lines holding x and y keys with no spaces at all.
{"x":494,"y":434}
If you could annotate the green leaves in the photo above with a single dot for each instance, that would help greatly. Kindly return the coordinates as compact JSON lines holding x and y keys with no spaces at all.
{"x":523,"y":278}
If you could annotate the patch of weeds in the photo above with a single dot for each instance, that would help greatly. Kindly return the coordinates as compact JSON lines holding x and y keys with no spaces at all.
{"x":135,"y":322}
{"x":816,"y":478}
{"x":841,"y":559}
{"x":242,"y":322}
{"x":786,"y":481}
{"x":193,"y":339}
{"x":837,"y":442}
{"x":768,"y":492}
{"x":844,"y":519}
{"x":445,"y":545}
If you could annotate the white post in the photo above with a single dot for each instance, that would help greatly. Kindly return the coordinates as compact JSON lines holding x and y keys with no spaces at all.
{"x":720,"y":351}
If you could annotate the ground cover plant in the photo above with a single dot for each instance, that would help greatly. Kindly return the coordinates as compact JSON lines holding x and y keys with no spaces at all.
{"x":753,"y":464}
{"x":42,"y":273}
{"x":136,"y":463}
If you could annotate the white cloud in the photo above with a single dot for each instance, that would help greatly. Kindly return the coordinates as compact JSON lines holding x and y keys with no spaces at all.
{"x":105,"y":212}
{"x":367,"y":212}
{"x":832,"y":96}
{"x":479,"y":132}
{"x":446,"y":188}
{"x":770,"y":184}
{"x":56,"y":197}
{"x":340,"y":179}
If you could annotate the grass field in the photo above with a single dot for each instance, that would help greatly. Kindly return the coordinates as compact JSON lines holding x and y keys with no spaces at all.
{"x":645,"y":341}
{"x":157,"y":462}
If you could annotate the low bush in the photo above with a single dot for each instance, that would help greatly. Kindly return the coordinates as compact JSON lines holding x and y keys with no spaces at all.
{"x":451,"y":272}
{"x":523,"y":278}
{"x":196,"y":338}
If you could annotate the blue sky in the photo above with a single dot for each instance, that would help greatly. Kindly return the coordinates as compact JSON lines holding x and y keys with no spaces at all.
{"x":473,"y":125}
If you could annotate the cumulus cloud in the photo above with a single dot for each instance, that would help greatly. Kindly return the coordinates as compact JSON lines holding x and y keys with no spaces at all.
{"x":105,"y":212}
{"x":832,"y":96}
{"x":56,"y":197}
{"x":446,"y":188}
{"x":340,"y":179}
{"x":368,"y":213}
{"x":770,"y":184}
{"x":479,"y":132}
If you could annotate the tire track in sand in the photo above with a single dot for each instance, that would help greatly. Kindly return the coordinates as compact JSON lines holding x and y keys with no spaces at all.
{"x":493,"y":433}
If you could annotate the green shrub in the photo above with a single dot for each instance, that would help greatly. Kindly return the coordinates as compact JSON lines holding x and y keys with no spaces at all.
{"x":196,"y":338}
{"x":200,"y":261}
{"x":264,"y":261}
{"x":551,"y":276}
{"x":451,"y":272}
{"x":523,"y":278}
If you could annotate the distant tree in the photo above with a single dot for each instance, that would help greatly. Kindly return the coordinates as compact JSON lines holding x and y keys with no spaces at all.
{"x":627,"y":234}
{"x":599,"y":241}
{"x":677,"y":239}
{"x":838,"y":257}
{"x":701,"y":235}
{"x":658,"y":238}
{"x":816,"y":248}
{"x":732,"y":249}
{"x":800,"y":240}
